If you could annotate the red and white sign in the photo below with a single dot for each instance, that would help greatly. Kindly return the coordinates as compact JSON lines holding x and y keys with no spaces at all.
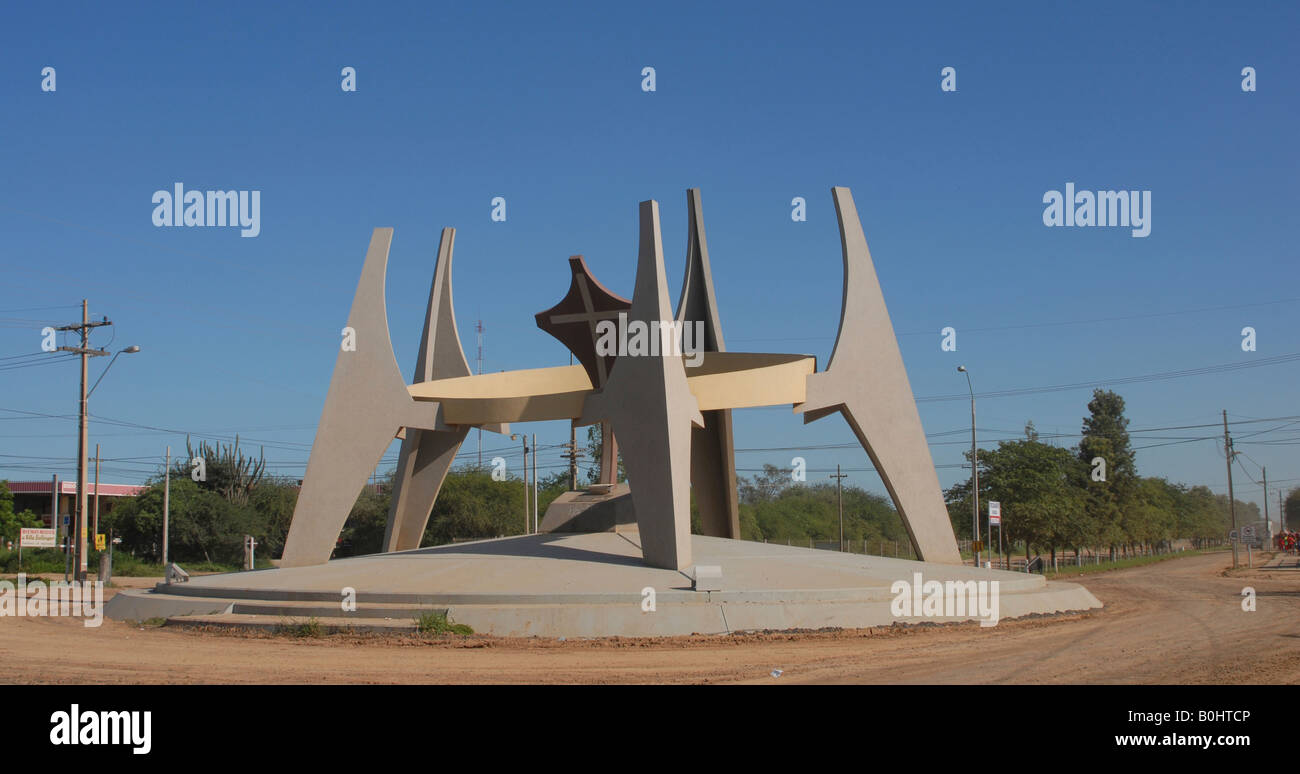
{"x":995,"y":513}
{"x":35,"y":537}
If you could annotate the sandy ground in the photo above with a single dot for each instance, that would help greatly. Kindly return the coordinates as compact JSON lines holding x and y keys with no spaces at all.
{"x":1178,"y":621}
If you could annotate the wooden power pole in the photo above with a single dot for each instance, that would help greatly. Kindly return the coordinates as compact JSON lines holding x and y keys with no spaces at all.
{"x":1232,"y":506}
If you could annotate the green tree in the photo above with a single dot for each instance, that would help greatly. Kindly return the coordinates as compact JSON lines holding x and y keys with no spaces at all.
{"x":1199,"y":516}
{"x":773,"y":509}
{"x":202,"y":525}
{"x":363,"y":532}
{"x":1153,"y":518}
{"x":1035,"y":483}
{"x":273,"y":501}
{"x":1108,"y":499}
{"x":11,"y":522}
{"x":1291,"y":509}
{"x":472,"y":505}
{"x":764,"y":486}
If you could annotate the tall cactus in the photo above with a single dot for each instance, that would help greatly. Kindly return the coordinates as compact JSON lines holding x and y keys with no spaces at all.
{"x":227,"y":471}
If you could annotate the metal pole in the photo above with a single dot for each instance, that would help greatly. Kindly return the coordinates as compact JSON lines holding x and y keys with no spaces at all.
{"x":534,"y":483}
{"x":95,"y":529}
{"x":58,"y":525}
{"x":975,"y":470}
{"x":167,"y":502}
{"x":989,"y":527}
{"x":975,"y":465}
{"x":1232,"y":507}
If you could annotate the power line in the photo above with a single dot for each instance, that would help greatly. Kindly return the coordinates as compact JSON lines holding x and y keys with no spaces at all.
{"x":1059,"y":323}
{"x":1161,"y":376}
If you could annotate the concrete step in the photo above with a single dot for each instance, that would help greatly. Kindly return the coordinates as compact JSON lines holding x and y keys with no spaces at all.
{"x":396,"y":612}
{"x":273,"y":624}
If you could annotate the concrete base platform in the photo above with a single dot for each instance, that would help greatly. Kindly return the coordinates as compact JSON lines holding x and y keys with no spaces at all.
{"x":596,"y":585}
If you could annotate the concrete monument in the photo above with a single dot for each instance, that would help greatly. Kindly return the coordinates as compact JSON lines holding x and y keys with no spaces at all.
{"x":672,"y":410}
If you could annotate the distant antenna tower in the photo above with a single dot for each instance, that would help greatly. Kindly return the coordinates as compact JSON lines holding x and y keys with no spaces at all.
{"x":478,"y":330}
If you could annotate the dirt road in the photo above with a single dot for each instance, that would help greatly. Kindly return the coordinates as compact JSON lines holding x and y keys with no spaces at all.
{"x":1178,"y":621}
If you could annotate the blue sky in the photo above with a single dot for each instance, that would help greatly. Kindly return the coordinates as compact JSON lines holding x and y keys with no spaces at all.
{"x":754,"y":104}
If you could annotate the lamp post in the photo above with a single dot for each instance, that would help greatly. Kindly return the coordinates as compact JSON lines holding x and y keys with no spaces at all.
{"x":524,"y":438}
{"x":975,"y":468}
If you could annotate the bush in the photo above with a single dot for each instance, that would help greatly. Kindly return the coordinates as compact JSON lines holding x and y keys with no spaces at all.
{"x":435,"y":622}
{"x":35,"y":560}
{"x":204,"y":529}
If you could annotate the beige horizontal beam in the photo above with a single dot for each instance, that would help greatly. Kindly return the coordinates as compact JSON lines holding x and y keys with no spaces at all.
{"x":720,"y":380}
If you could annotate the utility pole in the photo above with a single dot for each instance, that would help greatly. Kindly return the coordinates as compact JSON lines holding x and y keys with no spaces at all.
{"x":572,"y":455}
{"x":86,"y":353}
{"x":839,"y":499}
{"x":1268,"y":527}
{"x":1281,"y":512}
{"x":167,"y":502}
{"x":1232,"y":506}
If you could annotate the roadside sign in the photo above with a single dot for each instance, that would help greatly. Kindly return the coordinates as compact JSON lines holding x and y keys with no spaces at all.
{"x":101,"y":542}
{"x":995,"y":513}
{"x":1248,"y":532}
{"x":36,"y":537}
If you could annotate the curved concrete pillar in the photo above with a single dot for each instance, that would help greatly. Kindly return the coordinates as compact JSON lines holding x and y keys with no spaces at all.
{"x":646,"y":398}
{"x":427,"y":455}
{"x":366,"y":406}
{"x":713,"y":452}
{"x":867,"y":383}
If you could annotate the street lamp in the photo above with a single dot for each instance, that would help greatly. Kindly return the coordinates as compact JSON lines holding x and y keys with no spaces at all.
{"x":975,"y":467}
{"x":131,"y":350}
{"x":524,"y":437}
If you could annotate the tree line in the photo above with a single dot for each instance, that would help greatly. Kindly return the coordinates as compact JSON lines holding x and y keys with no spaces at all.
{"x":1052,"y":498}
{"x":1090,"y":496}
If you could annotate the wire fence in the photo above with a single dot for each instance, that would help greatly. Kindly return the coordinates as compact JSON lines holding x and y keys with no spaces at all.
{"x":898,"y":549}
{"x":1037,"y":563}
